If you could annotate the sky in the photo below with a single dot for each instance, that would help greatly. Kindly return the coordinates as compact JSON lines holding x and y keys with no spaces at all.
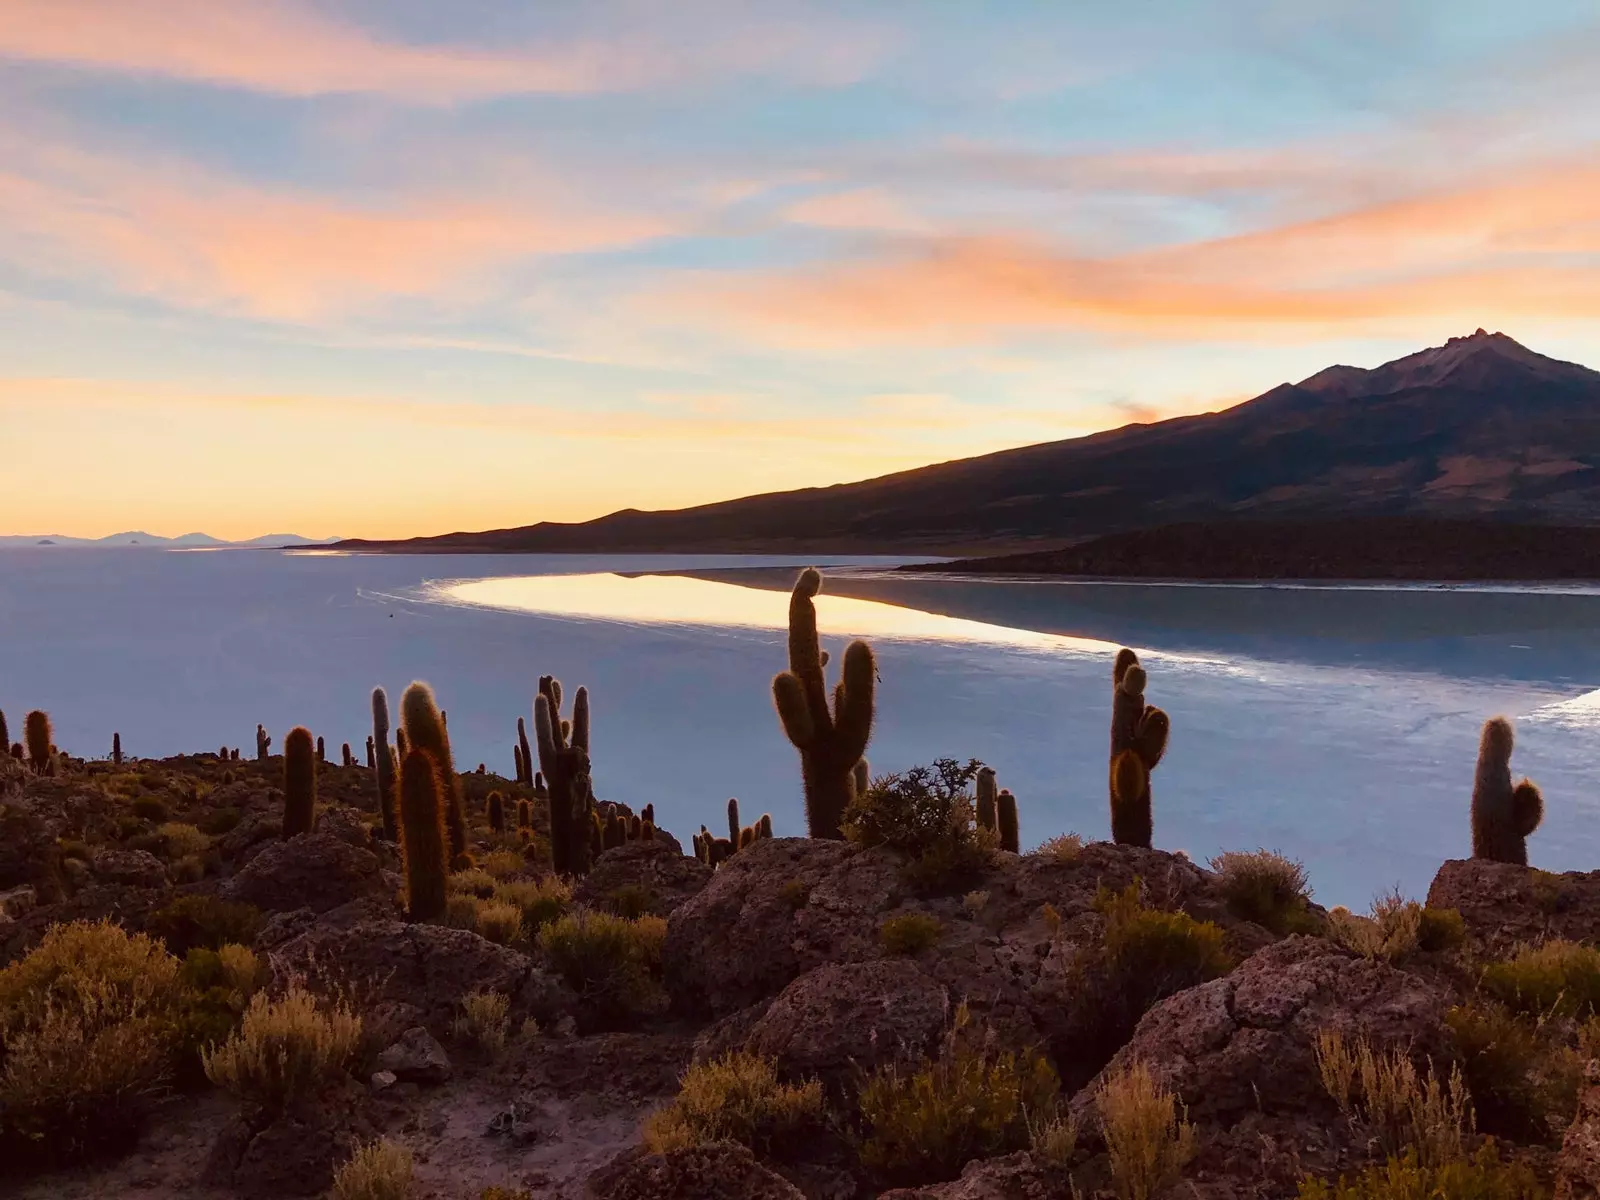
{"x":385,"y":268}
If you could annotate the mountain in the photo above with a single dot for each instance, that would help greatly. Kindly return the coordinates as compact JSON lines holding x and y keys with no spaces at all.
{"x":1479,"y":428}
{"x":187,"y":541}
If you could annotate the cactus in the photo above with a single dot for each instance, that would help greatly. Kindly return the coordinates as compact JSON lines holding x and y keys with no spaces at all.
{"x":564,"y":759}
{"x":516,"y":754}
{"x":526,"y":753}
{"x":1138,"y":740}
{"x":116,"y":747}
{"x":425,"y":730}
{"x":379,"y":742}
{"x":347,"y":759}
{"x":540,"y":791}
{"x":372,"y":751}
{"x":263,"y":743}
{"x":17,"y":751}
{"x":322,"y":751}
{"x":524,"y":815}
{"x":5,"y":733}
{"x":423,"y":843}
{"x":36,"y":732}
{"x":1502,"y":816}
{"x":648,"y":813}
{"x":764,"y":826}
{"x":222,"y":754}
{"x":1006,"y":814}
{"x":733,"y":820}
{"x":497,"y":813}
{"x":986,"y":801}
{"x":299,"y":782}
{"x":831,"y":743}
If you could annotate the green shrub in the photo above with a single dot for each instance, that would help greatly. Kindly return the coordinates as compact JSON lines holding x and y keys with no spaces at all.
{"x":150,"y":808}
{"x":204,"y":922}
{"x":612,"y":963}
{"x":89,"y":1025}
{"x":1482,"y":1177}
{"x":927,"y":814}
{"x":1558,"y":977}
{"x":1441,"y":929}
{"x":285,"y":1049}
{"x":1266,"y":888}
{"x":219,"y":985}
{"x":909,"y":933}
{"x":975,"y":1101}
{"x":1524,"y":1083}
{"x":735,"y":1098}
{"x":541,"y":901}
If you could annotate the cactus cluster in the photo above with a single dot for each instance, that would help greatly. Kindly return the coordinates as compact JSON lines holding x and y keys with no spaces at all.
{"x":299,"y":782}
{"x":614,"y":826}
{"x":563,"y":748}
{"x":1138,"y":740}
{"x":997,"y":812}
{"x":1502,"y":815}
{"x":714,"y":851}
{"x":831,"y":741}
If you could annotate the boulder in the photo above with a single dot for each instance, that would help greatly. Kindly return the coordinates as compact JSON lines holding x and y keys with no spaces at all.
{"x":250,"y":836}
{"x":295,"y":1154}
{"x":721,"y":1172}
{"x":416,"y":1058}
{"x":1010,"y":1177}
{"x":345,"y":824}
{"x":658,"y":867}
{"x":129,"y":868}
{"x":316,"y":870}
{"x":1504,"y":905}
{"x":839,"y":1021}
{"x":28,"y":853}
{"x":1578,"y":1166}
{"x":14,"y":902}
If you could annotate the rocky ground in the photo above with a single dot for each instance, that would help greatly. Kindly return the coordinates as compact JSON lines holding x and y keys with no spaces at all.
{"x":783,"y":951}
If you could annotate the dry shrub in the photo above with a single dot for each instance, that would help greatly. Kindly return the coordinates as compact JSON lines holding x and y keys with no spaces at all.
{"x":461,"y":911}
{"x":474,"y":882}
{"x":1524,"y":1082}
{"x":1148,"y":1137}
{"x":182,"y":841}
{"x":927,"y":814}
{"x":285,"y":1049}
{"x":631,"y":900}
{"x":380,"y":1170}
{"x":612,"y":963}
{"x":735,"y":1098}
{"x":975,"y":1101}
{"x":484,"y":1020}
{"x":1395,"y":930}
{"x":89,"y":1024}
{"x":541,"y":901}
{"x":1558,"y":978}
{"x":1267,"y":888}
{"x":499,"y":921}
{"x":242,"y":971}
{"x":502,"y":863}
{"x":1406,"y":1177}
{"x":1053,"y":1141}
{"x":1433,"y":1117}
{"x":1064,"y":847}
{"x":909,"y":933}
{"x":206,"y":922}
{"x":974,"y":903}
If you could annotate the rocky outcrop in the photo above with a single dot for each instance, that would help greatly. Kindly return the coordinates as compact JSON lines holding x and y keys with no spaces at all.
{"x":720,"y":1172}
{"x":295,"y":1154}
{"x":1011,"y":1177}
{"x":662,"y":872}
{"x":317,"y":870}
{"x":1505,"y":905}
{"x":1578,"y":1167}
{"x":28,"y":854}
{"x":129,"y":868}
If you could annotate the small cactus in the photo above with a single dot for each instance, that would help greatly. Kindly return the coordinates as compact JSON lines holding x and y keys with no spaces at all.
{"x":322,"y":751}
{"x":764,"y":826}
{"x":525,"y":752}
{"x":831,"y":742}
{"x":1502,"y":815}
{"x":372,"y":753}
{"x":36,"y":731}
{"x":733,"y":820}
{"x":263,"y":743}
{"x":423,"y":843}
{"x":378,"y":749}
{"x":524,"y":815}
{"x":116,"y":745}
{"x":347,"y":758}
{"x":425,"y":730}
{"x":497,"y":813}
{"x":516,"y":753}
{"x":299,"y":782}
{"x":1006,"y":813}
{"x":5,"y":733}
{"x":1138,"y":740}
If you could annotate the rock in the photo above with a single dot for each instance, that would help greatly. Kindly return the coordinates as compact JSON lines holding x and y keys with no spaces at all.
{"x":382,"y":1080}
{"x":129,"y":868}
{"x":1578,"y":1166}
{"x":1241,"y":1048}
{"x":838,"y":1021}
{"x":346,"y":825}
{"x":1013,"y":1177}
{"x":721,"y":1172}
{"x":250,"y":836}
{"x":28,"y":852}
{"x":658,"y":867}
{"x":17,"y":901}
{"x":1504,"y":905}
{"x":416,"y":1058}
{"x":315,"y":870}
{"x":294,"y":1155}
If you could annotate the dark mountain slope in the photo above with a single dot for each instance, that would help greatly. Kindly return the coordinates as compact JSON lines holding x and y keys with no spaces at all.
{"x":1479,"y":428}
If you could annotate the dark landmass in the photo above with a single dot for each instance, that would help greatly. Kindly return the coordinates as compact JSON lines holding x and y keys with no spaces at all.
{"x":1480,"y":428}
{"x":1400,"y":548}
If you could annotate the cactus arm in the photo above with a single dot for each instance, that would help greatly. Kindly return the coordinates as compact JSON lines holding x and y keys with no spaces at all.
{"x":853,"y":702}
{"x":580,"y":720}
{"x":1150,"y":742}
{"x":788,"y":695}
{"x":1527,"y":807}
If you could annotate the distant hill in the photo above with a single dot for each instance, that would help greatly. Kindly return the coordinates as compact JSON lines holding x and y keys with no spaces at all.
{"x":1480,"y":428}
{"x":138,"y":538}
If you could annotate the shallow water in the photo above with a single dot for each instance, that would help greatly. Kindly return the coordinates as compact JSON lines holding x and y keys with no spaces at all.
{"x":1336,"y":725}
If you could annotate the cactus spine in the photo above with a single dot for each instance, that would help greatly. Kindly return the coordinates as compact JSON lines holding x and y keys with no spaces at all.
{"x":831,"y":742}
{"x":423,"y":839}
{"x":564,"y":763}
{"x":1138,"y":740}
{"x":299,"y":782}
{"x":1502,"y":816}
{"x":424,"y":728}
{"x":378,"y":751}
{"x":986,"y":801}
{"x":1006,"y":812}
{"x":36,"y":730}
{"x":497,"y":813}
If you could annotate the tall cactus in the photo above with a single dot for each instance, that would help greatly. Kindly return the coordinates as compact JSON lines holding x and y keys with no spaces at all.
{"x":322,"y":751}
{"x":734,"y":827}
{"x":380,"y":754}
{"x":5,"y":734}
{"x":116,"y":747}
{"x":564,"y":763}
{"x":1005,"y":805}
{"x":36,"y":730}
{"x":263,"y":743}
{"x":423,"y":841}
{"x":831,"y":742}
{"x":425,"y":730}
{"x":299,"y":782}
{"x":986,"y":801}
{"x":497,"y":813}
{"x":1502,"y":816}
{"x":1138,"y":740}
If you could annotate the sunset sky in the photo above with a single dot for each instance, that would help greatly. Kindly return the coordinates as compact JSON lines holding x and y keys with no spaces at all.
{"x":394,"y":267}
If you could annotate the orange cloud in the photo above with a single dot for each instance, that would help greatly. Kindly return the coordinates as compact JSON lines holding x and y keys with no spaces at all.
{"x":1514,"y":249}
{"x":290,"y":50}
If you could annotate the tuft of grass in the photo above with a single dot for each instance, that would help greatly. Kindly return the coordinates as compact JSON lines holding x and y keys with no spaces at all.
{"x":1407,"y":1108}
{"x":461,"y":911}
{"x":378,"y":1170}
{"x":735,"y":1098}
{"x":473,"y":882}
{"x":909,"y":933}
{"x":1053,"y":1141}
{"x":484,"y":1020}
{"x":285,"y":1049}
{"x":1267,"y":888}
{"x":612,"y":963}
{"x":1064,"y":848}
{"x":1557,"y":978}
{"x":1148,"y":1137}
{"x":1154,"y":944}
{"x":1393,"y":932}
{"x":974,"y":1101}
{"x":1441,"y":929}
{"x":1406,"y":1177}
{"x":502,"y":863}
{"x":499,"y":921}
{"x":796,"y":893}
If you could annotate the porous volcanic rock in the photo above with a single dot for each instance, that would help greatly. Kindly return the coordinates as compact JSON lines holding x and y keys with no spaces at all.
{"x":721,"y":1172}
{"x":1505,"y":905}
{"x":1578,"y":1166}
{"x":660,"y":867}
{"x":416,"y":1058}
{"x":297,"y":1153}
{"x":129,"y":868}
{"x":1011,"y":1177}
{"x":316,"y":870}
